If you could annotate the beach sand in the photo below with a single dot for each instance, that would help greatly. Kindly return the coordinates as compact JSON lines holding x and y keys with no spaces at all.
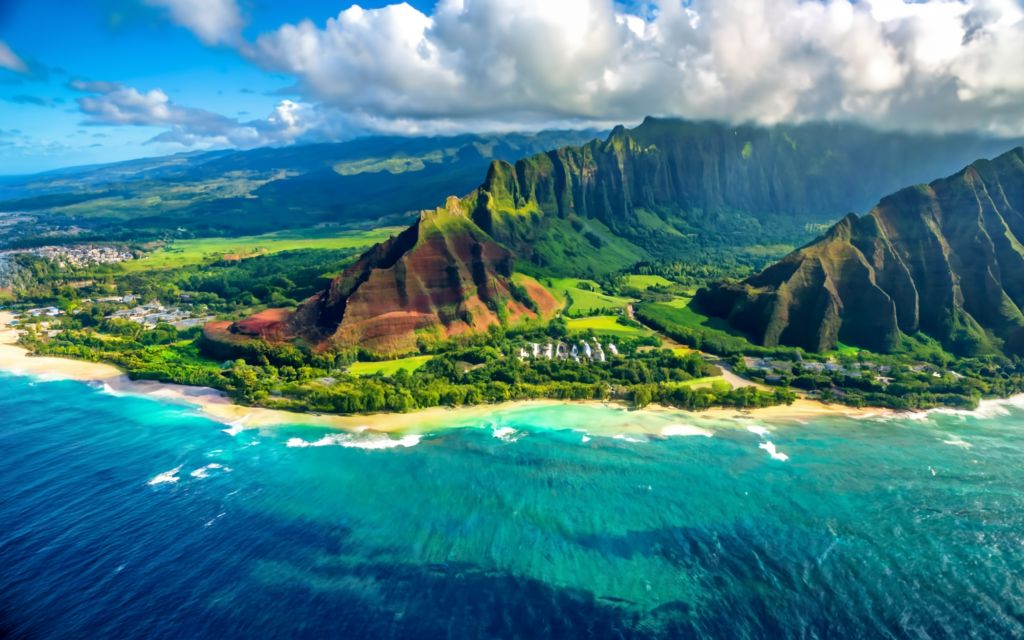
{"x":218,"y":406}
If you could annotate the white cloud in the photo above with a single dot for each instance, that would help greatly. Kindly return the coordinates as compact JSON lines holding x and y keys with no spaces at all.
{"x":118,"y":105}
{"x":942,"y":65}
{"x":213,"y":21}
{"x":10,"y":60}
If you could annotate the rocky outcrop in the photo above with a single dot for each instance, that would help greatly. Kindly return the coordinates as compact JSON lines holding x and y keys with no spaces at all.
{"x":945,"y":259}
{"x":441,"y":277}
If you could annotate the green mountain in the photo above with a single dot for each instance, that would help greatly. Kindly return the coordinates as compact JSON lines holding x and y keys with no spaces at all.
{"x":945,"y":259}
{"x":361,"y":183}
{"x":441,"y":277}
{"x":675,"y":188}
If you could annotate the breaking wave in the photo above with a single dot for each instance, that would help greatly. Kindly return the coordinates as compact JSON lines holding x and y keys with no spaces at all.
{"x":351,"y":441}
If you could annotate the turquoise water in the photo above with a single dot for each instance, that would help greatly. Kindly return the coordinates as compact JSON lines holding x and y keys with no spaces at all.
{"x":124,"y":517}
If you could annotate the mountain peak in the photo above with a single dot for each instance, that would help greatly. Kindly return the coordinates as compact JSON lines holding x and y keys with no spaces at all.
{"x":945,"y":259}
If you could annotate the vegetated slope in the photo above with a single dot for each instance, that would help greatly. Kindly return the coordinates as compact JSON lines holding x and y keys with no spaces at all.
{"x":944,"y":259}
{"x":354,"y":183}
{"x":672,"y":187}
{"x":442,"y":277}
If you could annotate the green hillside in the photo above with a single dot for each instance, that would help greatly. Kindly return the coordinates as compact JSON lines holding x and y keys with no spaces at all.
{"x":943,"y":259}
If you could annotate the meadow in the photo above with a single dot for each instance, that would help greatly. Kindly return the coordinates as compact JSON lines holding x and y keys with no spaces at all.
{"x":584,"y":297}
{"x":388,"y":367}
{"x":605,"y":325}
{"x":181,"y":253}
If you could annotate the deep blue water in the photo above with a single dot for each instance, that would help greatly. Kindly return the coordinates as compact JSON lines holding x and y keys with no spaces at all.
{"x":113,"y":524}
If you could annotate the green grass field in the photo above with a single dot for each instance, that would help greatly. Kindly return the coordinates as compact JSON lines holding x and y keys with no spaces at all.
{"x":181,"y":253}
{"x":584,"y":301}
{"x":687,"y":317}
{"x":644,"y":283}
{"x":702,"y":382}
{"x":605,"y":325}
{"x":388,"y":367}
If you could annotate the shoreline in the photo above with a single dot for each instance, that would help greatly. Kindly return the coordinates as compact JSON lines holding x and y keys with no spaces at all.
{"x":218,"y":406}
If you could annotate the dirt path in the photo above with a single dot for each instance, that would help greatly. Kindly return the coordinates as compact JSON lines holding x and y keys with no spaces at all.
{"x":735,"y":379}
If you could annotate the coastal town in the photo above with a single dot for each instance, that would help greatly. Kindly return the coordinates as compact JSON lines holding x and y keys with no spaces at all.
{"x":774,"y":370}
{"x":149,"y":314}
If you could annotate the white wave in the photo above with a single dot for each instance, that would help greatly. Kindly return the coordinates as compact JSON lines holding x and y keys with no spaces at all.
{"x":167,"y":477}
{"x":507,"y":434}
{"x":235,"y":428}
{"x":758,"y":430}
{"x":986,"y":409}
{"x":996,"y":408}
{"x":385,"y":443}
{"x":347,"y":440}
{"x":213,"y":520}
{"x":958,"y":442}
{"x":685,"y":430}
{"x":585,"y":439}
{"x":775,"y":454}
{"x":626,"y":438}
{"x":106,"y":389}
{"x":204,"y":472}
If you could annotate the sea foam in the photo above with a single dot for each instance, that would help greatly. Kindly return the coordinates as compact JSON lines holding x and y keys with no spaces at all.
{"x":167,"y":477}
{"x":775,"y":454}
{"x":627,"y":438}
{"x":349,"y":441}
{"x":957,"y":442}
{"x":204,"y":472}
{"x":684,"y":430}
{"x":758,"y":430}
{"x":235,"y":428}
{"x":507,"y":434}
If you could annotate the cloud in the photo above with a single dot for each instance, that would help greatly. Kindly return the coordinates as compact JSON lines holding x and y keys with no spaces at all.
{"x":33,"y":100}
{"x":213,"y":21}
{"x":10,"y":60}
{"x":939,"y":65}
{"x":114,"y":104}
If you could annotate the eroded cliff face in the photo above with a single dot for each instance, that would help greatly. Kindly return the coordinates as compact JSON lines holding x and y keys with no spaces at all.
{"x":668,"y":186}
{"x":945,"y":259}
{"x":442,"y":277}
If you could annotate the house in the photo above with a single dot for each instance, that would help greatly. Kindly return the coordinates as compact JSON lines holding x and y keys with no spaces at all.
{"x":50,"y":312}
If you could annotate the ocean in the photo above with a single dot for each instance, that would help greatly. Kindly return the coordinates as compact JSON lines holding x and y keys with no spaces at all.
{"x":125,"y":517}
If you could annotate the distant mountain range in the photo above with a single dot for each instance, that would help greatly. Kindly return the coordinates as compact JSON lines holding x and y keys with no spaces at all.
{"x":945,"y":259}
{"x":666,"y":188}
{"x":364,"y":182}
{"x":675,"y":189}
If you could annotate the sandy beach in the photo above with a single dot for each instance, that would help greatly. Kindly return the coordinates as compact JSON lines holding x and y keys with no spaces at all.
{"x":216,"y":405}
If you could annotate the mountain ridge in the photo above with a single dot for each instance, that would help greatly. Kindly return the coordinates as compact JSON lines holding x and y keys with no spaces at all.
{"x":944,"y":259}
{"x":674,"y":186}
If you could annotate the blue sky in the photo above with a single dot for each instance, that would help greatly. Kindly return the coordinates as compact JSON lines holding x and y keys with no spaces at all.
{"x":88,"y":81}
{"x":132,"y":43}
